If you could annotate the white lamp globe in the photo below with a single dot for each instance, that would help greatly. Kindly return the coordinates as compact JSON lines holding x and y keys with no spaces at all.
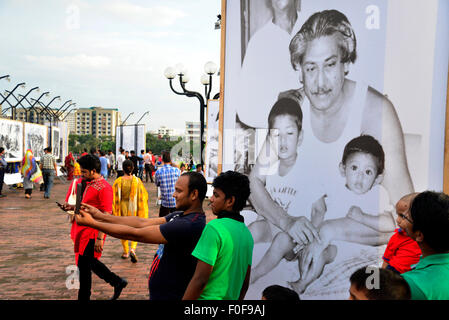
{"x":170,"y":73}
{"x":210,"y":67}
{"x":180,"y":69}
{"x":205,"y":79}
{"x":185,"y":78}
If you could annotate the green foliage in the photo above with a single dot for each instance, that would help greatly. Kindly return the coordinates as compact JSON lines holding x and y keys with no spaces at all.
{"x":158,"y":145}
{"x":77,"y":143}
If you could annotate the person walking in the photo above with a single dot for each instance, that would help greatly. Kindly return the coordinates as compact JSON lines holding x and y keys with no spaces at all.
{"x":130,"y":199}
{"x":69,"y":164}
{"x":89,"y":242}
{"x":28,"y":169}
{"x":49,"y":170}
{"x":149,"y":167}
{"x":165,"y":178}
{"x":120,"y":158}
{"x":3,"y":165}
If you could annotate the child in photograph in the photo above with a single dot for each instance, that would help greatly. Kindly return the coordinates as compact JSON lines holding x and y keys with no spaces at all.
{"x":285,"y":133}
{"x":362,"y":168}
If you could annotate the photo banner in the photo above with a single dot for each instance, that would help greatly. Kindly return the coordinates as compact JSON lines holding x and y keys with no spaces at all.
{"x":334,"y":110}
{"x":131,"y":137}
{"x":212,"y":143}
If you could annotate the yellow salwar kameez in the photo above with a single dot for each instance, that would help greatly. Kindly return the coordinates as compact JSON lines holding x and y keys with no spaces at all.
{"x":130,"y":199}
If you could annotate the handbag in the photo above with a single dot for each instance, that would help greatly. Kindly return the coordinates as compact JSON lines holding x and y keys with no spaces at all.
{"x":37,"y":176}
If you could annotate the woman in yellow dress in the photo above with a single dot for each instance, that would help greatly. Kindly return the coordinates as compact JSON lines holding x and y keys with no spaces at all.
{"x":130,"y":199}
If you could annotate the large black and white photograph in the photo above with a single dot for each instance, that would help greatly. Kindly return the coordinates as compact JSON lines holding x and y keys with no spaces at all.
{"x":212,"y":143}
{"x":11,"y":138}
{"x":130,"y":138}
{"x":56,"y":144}
{"x":36,"y":139}
{"x":332,"y":125}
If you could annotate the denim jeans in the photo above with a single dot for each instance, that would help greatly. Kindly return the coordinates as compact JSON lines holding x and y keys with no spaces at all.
{"x":48,"y":175}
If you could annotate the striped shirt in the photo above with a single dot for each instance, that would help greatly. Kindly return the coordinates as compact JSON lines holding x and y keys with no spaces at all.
{"x":166,"y":177}
{"x":48,"y":161}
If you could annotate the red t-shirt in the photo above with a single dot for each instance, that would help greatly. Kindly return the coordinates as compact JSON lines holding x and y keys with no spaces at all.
{"x":402,"y":251}
{"x":98,"y":193}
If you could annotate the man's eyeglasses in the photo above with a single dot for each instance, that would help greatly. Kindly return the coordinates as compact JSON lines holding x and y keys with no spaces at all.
{"x":403,"y":216}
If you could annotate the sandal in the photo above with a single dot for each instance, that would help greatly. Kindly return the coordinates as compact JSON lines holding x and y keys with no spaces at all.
{"x":133,"y":256}
{"x":125,"y":256}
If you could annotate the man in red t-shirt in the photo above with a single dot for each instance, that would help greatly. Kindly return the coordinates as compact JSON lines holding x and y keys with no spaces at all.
{"x":402,"y":252}
{"x":88,"y":241}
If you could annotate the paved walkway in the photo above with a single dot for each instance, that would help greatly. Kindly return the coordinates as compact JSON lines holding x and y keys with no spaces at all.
{"x":36,"y":250}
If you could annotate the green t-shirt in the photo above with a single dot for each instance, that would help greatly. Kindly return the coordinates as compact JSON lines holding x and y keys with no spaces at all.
{"x":227,"y":245}
{"x":430,"y":278}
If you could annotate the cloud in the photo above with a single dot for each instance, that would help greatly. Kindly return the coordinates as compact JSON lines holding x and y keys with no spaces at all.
{"x":156,"y":16}
{"x":77,"y":61}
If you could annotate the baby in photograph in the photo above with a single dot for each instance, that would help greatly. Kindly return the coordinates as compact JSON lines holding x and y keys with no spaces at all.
{"x":362,"y":167}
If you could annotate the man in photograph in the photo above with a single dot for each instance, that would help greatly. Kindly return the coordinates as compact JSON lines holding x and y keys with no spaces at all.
{"x":323,"y":50}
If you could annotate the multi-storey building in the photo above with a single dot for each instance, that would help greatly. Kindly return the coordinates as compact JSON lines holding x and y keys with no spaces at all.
{"x":96,"y":121}
{"x":192,"y":131}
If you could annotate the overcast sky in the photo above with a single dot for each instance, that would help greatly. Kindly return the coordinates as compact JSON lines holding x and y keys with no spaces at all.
{"x":111,"y":53}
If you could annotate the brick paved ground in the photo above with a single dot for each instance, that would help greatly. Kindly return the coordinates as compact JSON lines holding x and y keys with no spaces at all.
{"x":36,"y":250}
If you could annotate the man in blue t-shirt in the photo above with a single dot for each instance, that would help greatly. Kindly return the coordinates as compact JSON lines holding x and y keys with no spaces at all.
{"x":177,"y":233}
{"x":104,"y":165}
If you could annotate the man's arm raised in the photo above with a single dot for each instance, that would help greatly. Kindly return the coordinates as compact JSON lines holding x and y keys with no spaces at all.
{"x":149,"y":234}
{"x":131,"y":221}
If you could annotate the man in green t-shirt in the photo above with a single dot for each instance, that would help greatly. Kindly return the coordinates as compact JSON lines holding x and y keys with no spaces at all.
{"x":429,"y":227}
{"x":225,"y":249}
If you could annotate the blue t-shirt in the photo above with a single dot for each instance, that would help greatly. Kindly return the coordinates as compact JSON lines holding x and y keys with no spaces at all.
{"x":104,"y":166}
{"x":173,"y":265}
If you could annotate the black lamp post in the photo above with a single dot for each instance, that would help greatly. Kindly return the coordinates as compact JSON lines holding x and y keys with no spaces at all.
{"x":22,"y":97}
{"x":142,"y":117}
{"x":61,"y":113}
{"x":206,"y":79}
{"x":22,"y":85}
{"x":123,"y":122}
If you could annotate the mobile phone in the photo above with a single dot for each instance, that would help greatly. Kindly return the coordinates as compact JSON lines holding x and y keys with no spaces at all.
{"x":61,"y":206}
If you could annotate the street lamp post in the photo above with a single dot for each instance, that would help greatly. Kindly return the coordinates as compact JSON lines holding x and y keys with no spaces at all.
{"x":206,"y":79}
{"x":123,"y":122}
{"x":22,"y":85}
{"x":61,"y":113}
{"x":13,"y":108}
{"x":38,"y":113}
{"x":142,"y":117}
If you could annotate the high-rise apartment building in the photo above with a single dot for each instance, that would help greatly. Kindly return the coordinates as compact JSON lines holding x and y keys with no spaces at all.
{"x":96,"y":121}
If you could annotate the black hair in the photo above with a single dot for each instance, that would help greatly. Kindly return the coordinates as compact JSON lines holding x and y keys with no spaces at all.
{"x":233,"y":184}
{"x":1,"y":149}
{"x":276,"y":292}
{"x":128,"y":166}
{"x":90,"y":162}
{"x":286,"y":106}
{"x":366,"y":144}
{"x":198,"y":182}
{"x":102,"y":153}
{"x":429,"y":211}
{"x":166,"y":157}
{"x":142,"y":151}
{"x":93,"y":150}
{"x":320,"y":24}
{"x":48,"y":149}
{"x":391,"y":285}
